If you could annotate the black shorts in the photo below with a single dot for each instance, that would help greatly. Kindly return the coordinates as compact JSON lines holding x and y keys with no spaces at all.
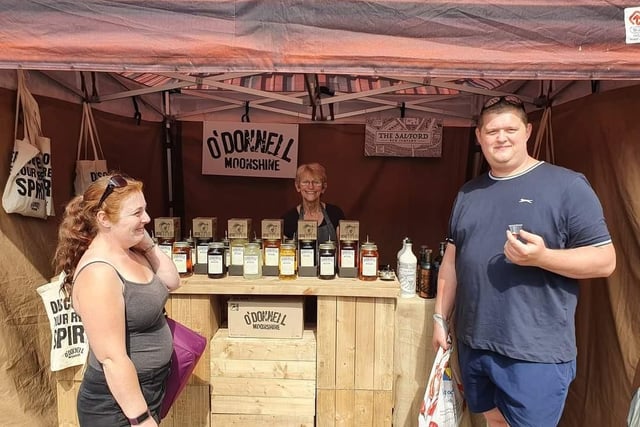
{"x":98,"y":408}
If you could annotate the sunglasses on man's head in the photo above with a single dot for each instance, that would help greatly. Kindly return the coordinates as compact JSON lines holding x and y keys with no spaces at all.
{"x":116,"y":181}
{"x":507,"y":99}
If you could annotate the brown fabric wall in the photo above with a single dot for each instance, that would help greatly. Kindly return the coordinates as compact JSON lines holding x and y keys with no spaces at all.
{"x":391,"y":197}
{"x":27,"y":390}
{"x":599,"y":136}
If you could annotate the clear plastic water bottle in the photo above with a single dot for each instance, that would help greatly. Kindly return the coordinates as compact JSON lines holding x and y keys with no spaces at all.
{"x":407,"y":271}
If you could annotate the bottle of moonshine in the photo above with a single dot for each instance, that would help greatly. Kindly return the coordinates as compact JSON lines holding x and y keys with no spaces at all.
{"x":400,"y":252}
{"x":252,"y":261}
{"x":368,"y":265}
{"x":407,"y":269}
{"x":435,"y":269}
{"x":216,"y":268}
{"x":425,"y":275}
{"x":421,"y":256}
{"x":287,"y":263}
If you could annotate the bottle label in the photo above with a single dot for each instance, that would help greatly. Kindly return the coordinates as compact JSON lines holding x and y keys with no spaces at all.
{"x":327,"y":266}
{"x":407,"y":277}
{"x":287,"y":265}
{"x":237,"y":255}
{"x":214,"y":265}
{"x":347,"y":258}
{"x":271,"y":256}
{"x":180,"y":260}
{"x":370,"y":266}
{"x":201,"y":254}
{"x":307,"y":258}
{"x":251,"y":265}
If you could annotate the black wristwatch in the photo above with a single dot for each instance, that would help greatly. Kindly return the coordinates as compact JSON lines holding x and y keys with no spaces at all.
{"x":137,"y":420}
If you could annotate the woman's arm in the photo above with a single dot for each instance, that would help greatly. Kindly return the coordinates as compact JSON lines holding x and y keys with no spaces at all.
{"x":160,"y":263}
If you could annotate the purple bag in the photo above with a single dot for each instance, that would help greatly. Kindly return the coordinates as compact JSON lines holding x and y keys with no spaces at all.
{"x":188,"y":346}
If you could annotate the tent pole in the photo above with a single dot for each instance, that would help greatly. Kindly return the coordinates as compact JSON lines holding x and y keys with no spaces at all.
{"x":168,"y":153}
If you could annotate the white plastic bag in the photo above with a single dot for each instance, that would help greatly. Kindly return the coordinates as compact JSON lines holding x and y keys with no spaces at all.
{"x":69,"y":344}
{"x":443,"y":402}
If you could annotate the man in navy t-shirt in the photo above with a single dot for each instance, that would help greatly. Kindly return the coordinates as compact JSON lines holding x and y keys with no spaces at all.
{"x":519,"y":238}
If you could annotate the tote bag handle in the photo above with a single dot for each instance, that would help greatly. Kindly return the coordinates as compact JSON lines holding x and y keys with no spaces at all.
{"x":89,"y":133}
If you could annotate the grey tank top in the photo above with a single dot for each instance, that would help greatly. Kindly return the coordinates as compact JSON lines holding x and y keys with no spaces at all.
{"x":149,"y":341}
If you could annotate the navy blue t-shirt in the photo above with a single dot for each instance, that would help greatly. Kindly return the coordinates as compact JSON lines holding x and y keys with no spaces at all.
{"x":525,"y":313}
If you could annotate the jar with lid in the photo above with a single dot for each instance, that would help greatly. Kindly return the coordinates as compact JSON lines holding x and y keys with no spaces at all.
{"x":227,"y":251}
{"x":271,"y":252}
{"x":192,"y":242}
{"x":202,"y":251}
{"x":368,"y":261}
{"x":307,"y":253}
{"x":181,"y":256}
{"x":327,"y":260}
{"x":216,"y":268}
{"x":237,"y":251}
{"x":166,"y":246}
{"x":252,"y":261}
{"x":348,"y":254}
{"x":287,"y":261}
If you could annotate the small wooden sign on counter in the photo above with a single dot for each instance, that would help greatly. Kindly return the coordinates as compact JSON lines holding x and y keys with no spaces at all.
{"x":265,"y":317}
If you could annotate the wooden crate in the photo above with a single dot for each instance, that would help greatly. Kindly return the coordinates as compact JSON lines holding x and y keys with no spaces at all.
{"x":355,"y":361}
{"x":263,"y":376}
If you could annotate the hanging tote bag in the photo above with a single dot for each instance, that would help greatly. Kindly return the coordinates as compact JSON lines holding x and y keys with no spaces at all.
{"x":188,"y":347}
{"x":69,"y":344}
{"x":443,"y":402}
{"x":28,"y":190}
{"x":88,"y":170}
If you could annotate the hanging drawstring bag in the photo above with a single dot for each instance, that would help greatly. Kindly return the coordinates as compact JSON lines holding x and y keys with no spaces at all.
{"x":28,"y":190}
{"x":88,"y":170}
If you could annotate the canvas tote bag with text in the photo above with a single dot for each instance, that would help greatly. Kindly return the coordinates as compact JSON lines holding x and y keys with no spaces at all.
{"x":28,"y":190}
{"x":88,"y":170}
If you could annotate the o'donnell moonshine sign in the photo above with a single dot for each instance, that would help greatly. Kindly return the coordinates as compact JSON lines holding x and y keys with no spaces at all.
{"x":250,"y":149}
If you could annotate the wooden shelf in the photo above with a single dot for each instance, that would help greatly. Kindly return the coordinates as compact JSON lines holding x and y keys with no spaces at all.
{"x":236,"y":285}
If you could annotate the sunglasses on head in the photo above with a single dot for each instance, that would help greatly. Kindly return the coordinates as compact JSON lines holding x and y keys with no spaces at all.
{"x":116,"y":181}
{"x":506,"y":99}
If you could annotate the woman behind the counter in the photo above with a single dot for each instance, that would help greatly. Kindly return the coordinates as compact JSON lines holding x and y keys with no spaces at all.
{"x":311,"y":183}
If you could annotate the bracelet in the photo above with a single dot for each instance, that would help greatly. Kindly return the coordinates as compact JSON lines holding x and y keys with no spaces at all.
{"x":140,"y":418}
{"x":145,"y":251}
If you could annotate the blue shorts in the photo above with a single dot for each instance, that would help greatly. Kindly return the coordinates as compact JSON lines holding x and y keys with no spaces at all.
{"x":527,"y":393}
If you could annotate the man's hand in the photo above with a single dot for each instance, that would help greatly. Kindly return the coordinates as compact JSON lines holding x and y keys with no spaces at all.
{"x":524,"y":248}
{"x":440,"y":335}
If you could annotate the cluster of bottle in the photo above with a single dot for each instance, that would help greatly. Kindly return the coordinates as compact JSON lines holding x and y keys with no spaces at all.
{"x":418,"y":275}
{"x":271,"y":255}
{"x":290,"y":259}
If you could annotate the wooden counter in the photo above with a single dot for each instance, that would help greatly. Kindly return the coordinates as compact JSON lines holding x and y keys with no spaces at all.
{"x":201,"y":285}
{"x":354,"y":335}
{"x":354,"y":344}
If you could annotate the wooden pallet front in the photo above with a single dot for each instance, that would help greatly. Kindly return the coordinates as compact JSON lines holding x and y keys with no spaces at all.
{"x":263,"y":376}
{"x":355,"y":361}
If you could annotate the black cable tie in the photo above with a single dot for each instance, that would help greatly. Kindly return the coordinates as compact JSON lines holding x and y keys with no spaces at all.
{"x":137,"y":115}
